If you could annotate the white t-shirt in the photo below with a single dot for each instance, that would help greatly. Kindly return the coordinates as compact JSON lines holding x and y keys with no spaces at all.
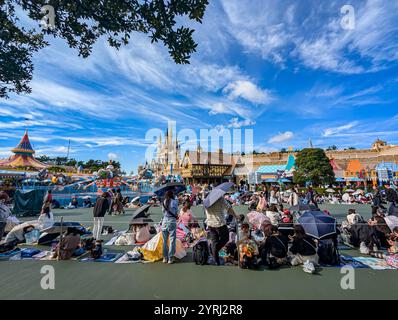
{"x":44,"y":221}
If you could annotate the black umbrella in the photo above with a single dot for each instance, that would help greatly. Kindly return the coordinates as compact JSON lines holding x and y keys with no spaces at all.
{"x":50,"y":234}
{"x":141,"y":212}
{"x":217,"y":193}
{"x":176,"y":187}
{"x":318,"y":224}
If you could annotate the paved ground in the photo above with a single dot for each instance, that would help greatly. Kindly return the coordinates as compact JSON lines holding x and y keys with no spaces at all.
{"x":185,"y":280}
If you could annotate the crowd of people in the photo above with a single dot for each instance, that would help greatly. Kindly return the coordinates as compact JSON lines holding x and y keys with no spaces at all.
{"x":226,"y":237}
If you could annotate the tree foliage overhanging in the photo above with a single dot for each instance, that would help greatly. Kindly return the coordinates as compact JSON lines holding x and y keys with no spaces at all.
{"x":312,"y":165}
{"x":82,"y":22}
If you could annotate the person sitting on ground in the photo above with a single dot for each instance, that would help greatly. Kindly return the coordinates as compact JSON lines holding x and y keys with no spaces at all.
{"x":126,"y":201}
{"x":87,"y":203}
{"x":186,"y":217}
{"x":16,"y":236}
{"x":273,"y":214}
{"x":73,"y":204}
{"x":55,"y":204}
{"x":393,"y":241}
{"x":68,"y":244}
{"x":303,"y":248}
{"x":244,"y":232}
{"x":286,"y":224}
{"x":381,"y":231}
{"x":141,"y":233}
{"x":274,"y":251}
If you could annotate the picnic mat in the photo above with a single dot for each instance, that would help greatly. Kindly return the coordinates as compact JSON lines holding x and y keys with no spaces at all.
{"x":30,"y":254}
{"x":374,"y":263}
{"x":346,"y":260}
{"x":125,"y":259}
{"x":109,"y":257}
{"x":7,"y":255}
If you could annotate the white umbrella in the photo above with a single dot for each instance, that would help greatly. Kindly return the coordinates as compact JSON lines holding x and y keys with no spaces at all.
{"x":330,"y":190}
{"x":392,"y":222}
{"x":350,"y":191}
{"x":136,"y":199}
{"x":346,"y":197}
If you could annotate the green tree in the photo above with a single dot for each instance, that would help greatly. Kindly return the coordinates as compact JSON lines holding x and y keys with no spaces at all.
{"x":312,"y":165}
{"x":82,"y":22}
{"x":332,"y":148}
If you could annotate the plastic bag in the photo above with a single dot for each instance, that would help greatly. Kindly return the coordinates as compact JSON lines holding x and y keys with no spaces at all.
{"x":32,"y":237}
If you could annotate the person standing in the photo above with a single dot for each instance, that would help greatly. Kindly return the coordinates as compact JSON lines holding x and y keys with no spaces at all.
{"x":310,"y":197}
{"x":100,"y":208}
{"x":5,"y":212}
{"x":118,"y":202}
{"x":111,"y":193}
{"x":377,"y":200}
{"x":293,"y":197}
{"x":217,"y":225}
{"x":169,"y":226}
{"x":391,"y":197}
{"x":47,"y":200}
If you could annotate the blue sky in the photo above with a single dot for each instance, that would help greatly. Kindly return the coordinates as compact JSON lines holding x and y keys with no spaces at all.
{"x":286,"y":69}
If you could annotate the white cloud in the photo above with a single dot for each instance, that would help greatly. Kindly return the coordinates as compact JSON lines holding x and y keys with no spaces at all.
{"x":236,"y":124}
{"x":112,"y":156}
{"x":248,"y":91}
{"x":282,"y":137}
{"x":220,"y":108}
{"x":336,"y":130}
{"x":311,"y":32}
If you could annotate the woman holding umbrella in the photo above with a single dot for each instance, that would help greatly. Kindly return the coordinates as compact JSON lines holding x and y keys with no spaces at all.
{"x":169,"y":226}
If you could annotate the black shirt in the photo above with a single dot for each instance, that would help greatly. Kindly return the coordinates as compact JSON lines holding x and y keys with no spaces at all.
{"x":304,"y":246}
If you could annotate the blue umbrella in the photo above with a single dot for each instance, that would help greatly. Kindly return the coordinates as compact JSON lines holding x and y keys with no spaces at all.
{"x":217,"y":193}
{"x":175,"y":187}
{"x":318,"y":224}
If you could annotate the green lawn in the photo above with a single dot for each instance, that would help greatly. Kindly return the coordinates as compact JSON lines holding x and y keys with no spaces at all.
{"x":185,"y":280}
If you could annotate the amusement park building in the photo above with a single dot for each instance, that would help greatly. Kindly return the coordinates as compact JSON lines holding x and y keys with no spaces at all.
{"x":23,"y":157}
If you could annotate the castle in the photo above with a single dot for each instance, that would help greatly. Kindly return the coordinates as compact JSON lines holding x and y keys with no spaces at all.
{"x":349,"y":164}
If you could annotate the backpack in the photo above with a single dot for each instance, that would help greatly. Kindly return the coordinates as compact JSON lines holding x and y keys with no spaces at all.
{"x":201,"y":252}
{"x":96,"y":252}
{"x":247,"y":262}
{"x":279,"y":249}
{"x":327,"y":253}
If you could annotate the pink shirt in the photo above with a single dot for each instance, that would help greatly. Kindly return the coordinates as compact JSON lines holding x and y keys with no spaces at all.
{"x":185,"y":217}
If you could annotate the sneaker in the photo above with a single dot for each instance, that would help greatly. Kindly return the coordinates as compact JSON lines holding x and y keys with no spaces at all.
{"x":309,"y":267}
{"x":164,"y":260}
{"x":364,"y":249}
{"x":171,"y":261}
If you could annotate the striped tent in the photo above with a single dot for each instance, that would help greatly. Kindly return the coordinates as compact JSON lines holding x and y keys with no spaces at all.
{"x":23,"y":156}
